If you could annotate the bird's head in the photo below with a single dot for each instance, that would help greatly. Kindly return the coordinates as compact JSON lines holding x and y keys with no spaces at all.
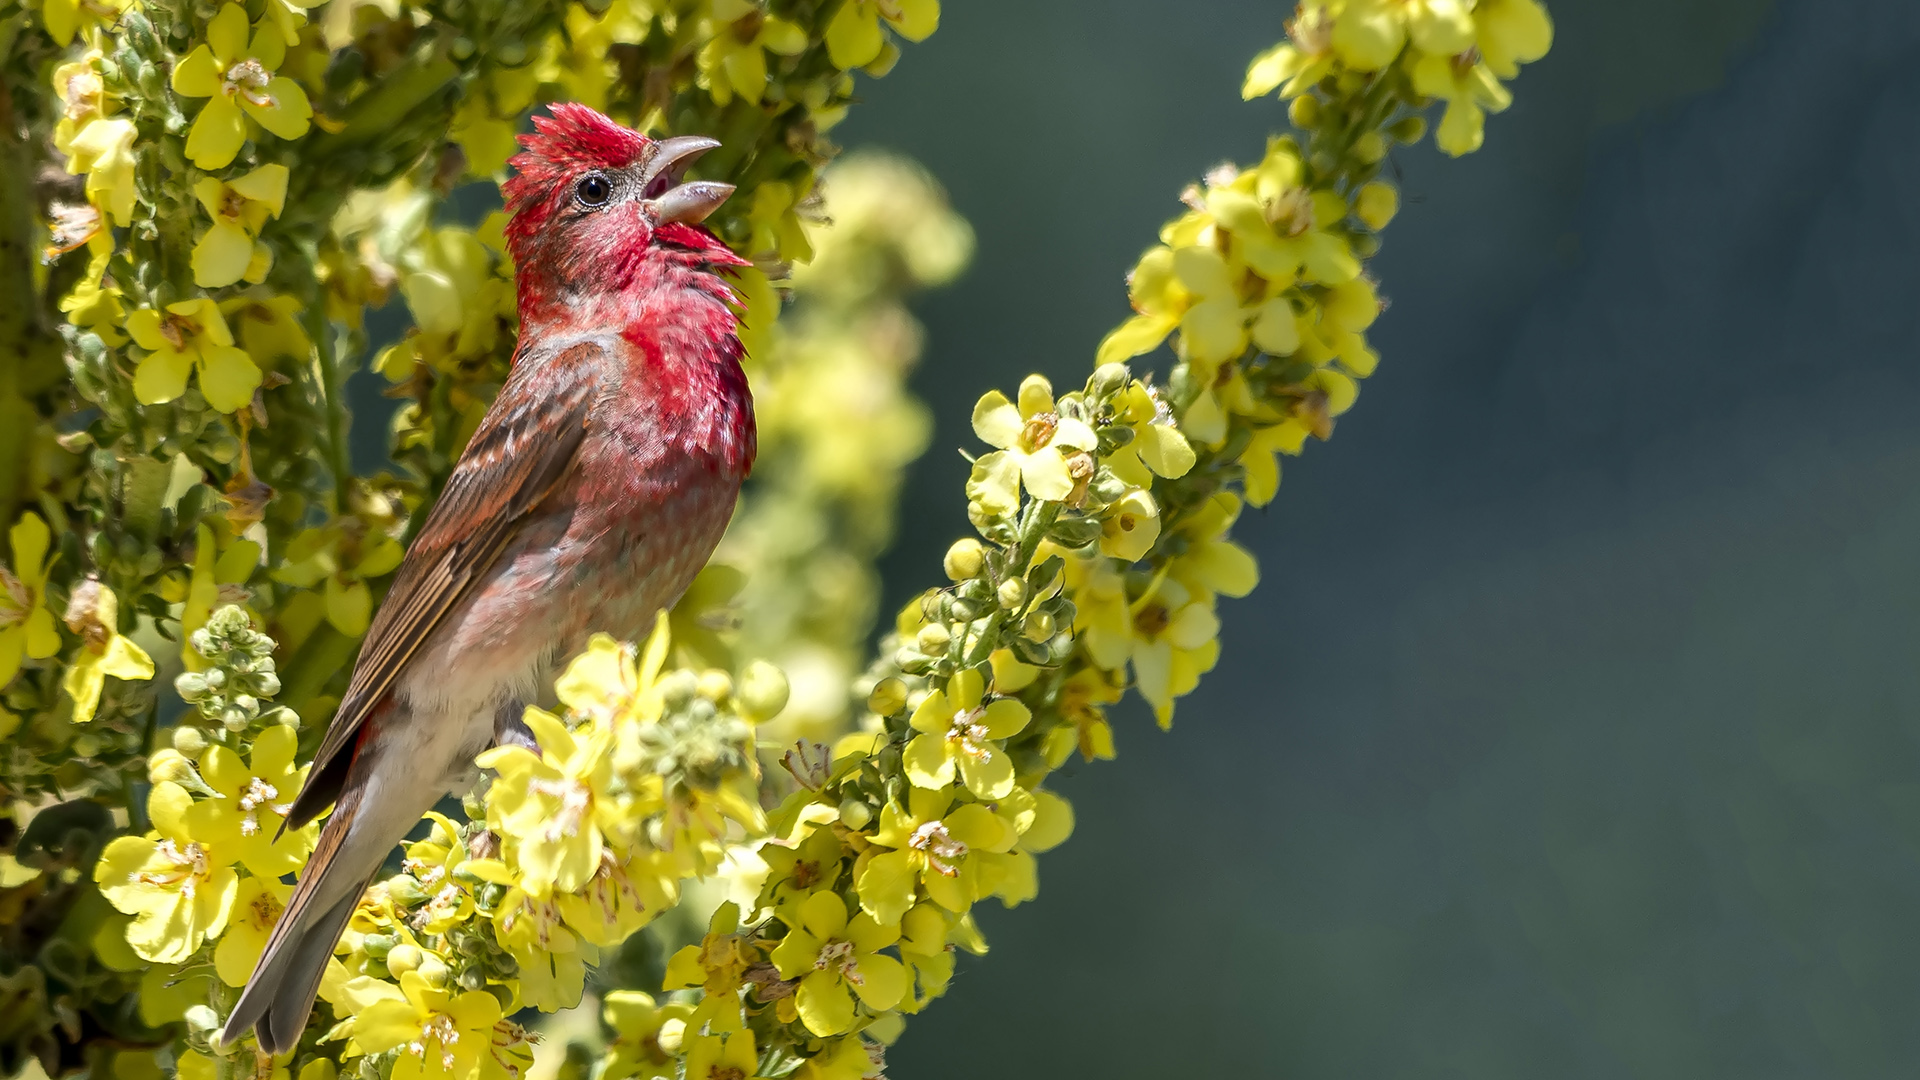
{"x":590,"y":201}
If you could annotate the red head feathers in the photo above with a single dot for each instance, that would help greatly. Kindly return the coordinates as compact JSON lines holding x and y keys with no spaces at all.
{"x":592,"y":203}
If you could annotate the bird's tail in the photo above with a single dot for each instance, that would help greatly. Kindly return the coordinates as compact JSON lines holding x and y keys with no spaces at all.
{"x":279,"y":997}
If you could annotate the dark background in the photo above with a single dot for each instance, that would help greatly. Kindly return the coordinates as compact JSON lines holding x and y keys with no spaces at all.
{"x":1571,"y":731}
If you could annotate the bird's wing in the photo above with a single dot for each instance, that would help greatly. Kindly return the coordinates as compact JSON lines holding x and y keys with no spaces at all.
{"x":519,"y":454}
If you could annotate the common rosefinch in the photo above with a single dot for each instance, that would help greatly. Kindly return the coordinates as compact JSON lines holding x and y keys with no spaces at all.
{"x":590,"y":495}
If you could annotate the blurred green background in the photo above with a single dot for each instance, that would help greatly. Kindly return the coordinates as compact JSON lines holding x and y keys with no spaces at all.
{"x":1571,"y":732}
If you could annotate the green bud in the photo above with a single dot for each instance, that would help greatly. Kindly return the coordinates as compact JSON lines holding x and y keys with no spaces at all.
{"x":432,"y":968}
{"x":1370,"y":147}
{"x":965,"y":559}
{"x":1037,"y":627}
{"x":763,"y":691}
{"x":379,"y":946}
{"x":190,"y":741}
{"x":405,"y":891}
{"x":889,"y":696}
{"x":190,"y":685}
{"x":714,"y":685}
{"x":855,"y":814}
{"x":473,"y":979}
{"x":1304,"y":112}
{"x":1109,"y":379}
{"x":677,"y":688}
{"x":404,"y":958}
{"x":933,"y":639}
{"x":1013,"y":593}
{"x":1410,"y":130}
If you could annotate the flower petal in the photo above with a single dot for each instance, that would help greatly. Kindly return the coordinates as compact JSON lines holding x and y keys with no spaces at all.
{"x":824,"y":1004}
{"x":883,"y":981}
{"x":290,"y":115}
{"x":927,"y":762}
{"x":221,"y":256}
{"x":197,"y":75}
{"x":996,"y":421}
{"x":228,"y":377}
{"x":886,"y":886}
{"x":227,"y":33}
{"x":217,"y":133}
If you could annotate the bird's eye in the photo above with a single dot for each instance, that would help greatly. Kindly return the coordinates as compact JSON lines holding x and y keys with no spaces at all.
{"x":593,"y":190}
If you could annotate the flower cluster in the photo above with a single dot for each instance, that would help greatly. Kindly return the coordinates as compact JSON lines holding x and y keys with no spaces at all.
{"x":248,"y":180}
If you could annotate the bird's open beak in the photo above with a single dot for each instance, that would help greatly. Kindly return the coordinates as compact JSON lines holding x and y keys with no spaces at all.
{"x":688,"y":203}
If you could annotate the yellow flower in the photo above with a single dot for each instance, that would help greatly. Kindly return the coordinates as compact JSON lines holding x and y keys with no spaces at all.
{"x":1034,"y":441}
{"x":835,"y":959}
{"x":734,"y":60}
{"x":289,"y":16}
{"x":620,"y":899}
{"x":1470,"y":90}
{"x":776,"y":228}
{"x":83,"y":98}
{"x":1302,"y":60}
{"x":238,"y":208}
{"x":957,"y":730}
{"x":854,"y":38}
{"x":94,"y":305}
{"x":218,"y":578}
{"x":553,"y":960}
{"x":1169,"y":635}
{"x":237,"y":77}
{"x":716,"y":1057}
{"x":718,"y":966}
{"x":65,"y":18}
{"x":1176,"y":640}
{"x":1212,"y":563}
{"x":93,"y":612}
{"x":432,"y":863}
{"x":1369,"y":34}
{"x":344,"y":554}
{"x":639,"y":1027}
{"x":257,"y":905}
{"x":190,"y":334}
{"x":103,"y":149}
{"x":944,"y":851}
{"x":553,"y":804}
{"x":1510,"y":33}
{"x":179,"y":889}
{"x":439,"y":1034}
{"x":1158,"y":448}
{"x":1131,"y":526}
{"x":248,"y":811}
{"x":269,"y":329}
{"x":484,"y":124}
{"x":26,"y":626}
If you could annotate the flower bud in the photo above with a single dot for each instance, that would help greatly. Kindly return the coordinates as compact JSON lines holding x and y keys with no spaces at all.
{"x":1370,"y":147}
{"x":889,"y":696}
{"x":170,"y":764}
{"x":379,"y":945}
{"x":672,"y":1033}
{"x":432,"y":968}
{"x":404,"y":958}
{"x":763,"y":691}
{"x":190,"y":741}
{"x":1376,"y":204}
{"x":933,"y":639}
{"x":965,"y":559}
{"x":1409,"y":131}
{"x":1038,"y":626}
{"x":714,"y":685}
{"x":1013,"y":593}
{"x":855,"y":814}
{"x":677,"y":688}
{"x":201,"y":1019}
{"x":1304,"y":111}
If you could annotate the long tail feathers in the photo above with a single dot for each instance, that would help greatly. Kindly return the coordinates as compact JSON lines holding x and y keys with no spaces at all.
{"x":279,"y":997}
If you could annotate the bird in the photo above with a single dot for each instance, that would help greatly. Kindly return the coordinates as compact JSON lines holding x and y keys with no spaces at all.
{"x":593,"y":490}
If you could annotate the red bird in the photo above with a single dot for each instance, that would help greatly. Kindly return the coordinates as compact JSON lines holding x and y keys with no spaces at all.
{"x":592,"y":492}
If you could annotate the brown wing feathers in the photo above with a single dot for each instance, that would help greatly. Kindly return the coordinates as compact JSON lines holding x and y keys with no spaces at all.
{"x":519,"y":454}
